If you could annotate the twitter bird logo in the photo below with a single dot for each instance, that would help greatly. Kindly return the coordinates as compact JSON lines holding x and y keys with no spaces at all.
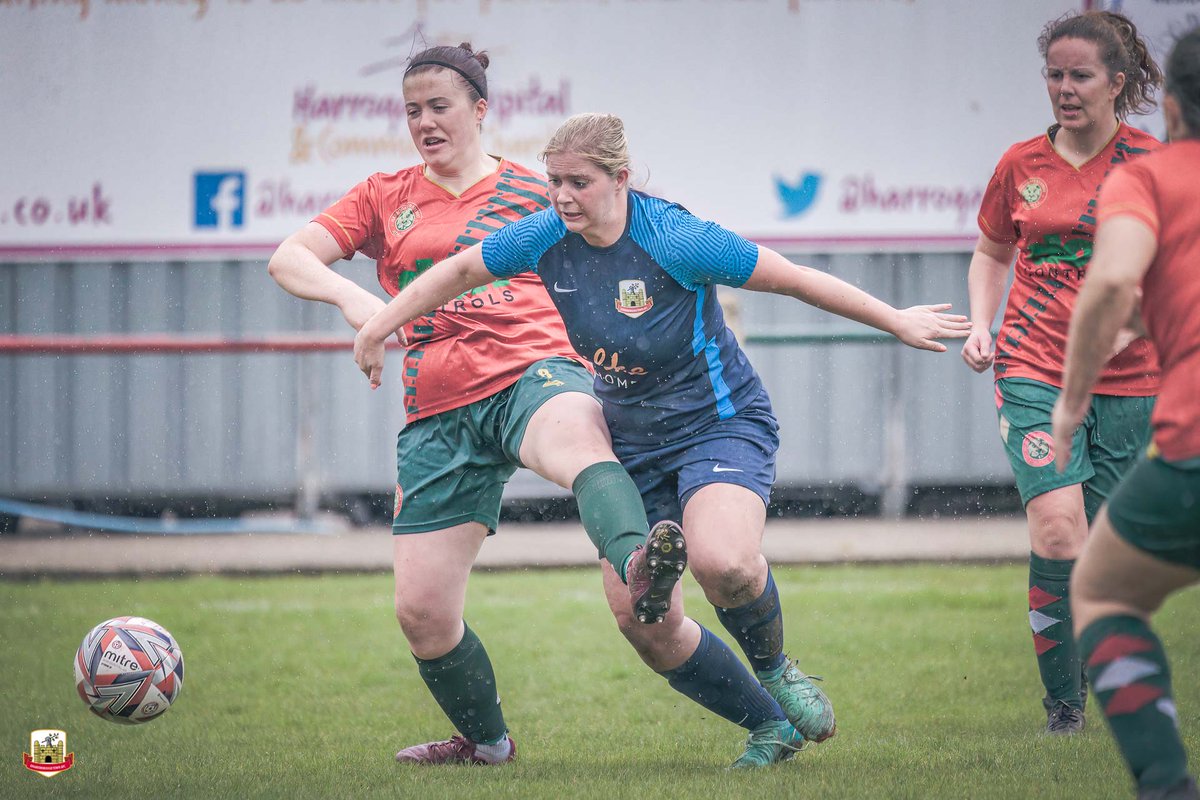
{"x":798,"y":197}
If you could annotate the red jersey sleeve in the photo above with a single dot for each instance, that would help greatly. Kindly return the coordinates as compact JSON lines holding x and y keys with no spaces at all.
{"x":1129,"y":192}
{"x":354,"y":221}
{"x":995,"y":212}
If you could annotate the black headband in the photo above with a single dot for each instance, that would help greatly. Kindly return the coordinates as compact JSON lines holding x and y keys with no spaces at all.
{"x":482,"y":91}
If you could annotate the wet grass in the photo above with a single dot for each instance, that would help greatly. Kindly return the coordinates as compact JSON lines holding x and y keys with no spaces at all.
{"x":301,"y":687}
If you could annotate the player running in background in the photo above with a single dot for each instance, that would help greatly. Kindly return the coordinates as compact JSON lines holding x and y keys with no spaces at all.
{"x":633,"y":277}
{"x":1040,"y":206}
{"x":1145,"y":543}
{"x":491,"y":383}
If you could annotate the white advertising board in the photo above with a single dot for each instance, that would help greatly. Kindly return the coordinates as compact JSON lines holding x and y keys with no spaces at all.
{"x":194,"y":128}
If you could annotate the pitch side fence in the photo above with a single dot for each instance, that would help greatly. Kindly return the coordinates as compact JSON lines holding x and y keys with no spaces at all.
{"x":179,"y":381}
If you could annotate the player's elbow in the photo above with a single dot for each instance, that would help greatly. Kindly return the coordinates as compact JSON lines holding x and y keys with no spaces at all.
{"x":282,"y":263}
{"x":1109,"y":283}
{"x":277,"y":265}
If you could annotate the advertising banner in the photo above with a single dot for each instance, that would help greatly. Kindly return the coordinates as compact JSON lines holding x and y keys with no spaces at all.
{"x":209,"y":128}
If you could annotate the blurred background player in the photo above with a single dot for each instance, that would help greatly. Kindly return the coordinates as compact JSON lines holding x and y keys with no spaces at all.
{"x":491,"y":383}
{"x":1145,"y":543}
{"x":633,"y":277}
{"x":1040,"y":205}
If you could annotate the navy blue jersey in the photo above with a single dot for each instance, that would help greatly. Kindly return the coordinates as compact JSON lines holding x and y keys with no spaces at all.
{"x":644,"y":311}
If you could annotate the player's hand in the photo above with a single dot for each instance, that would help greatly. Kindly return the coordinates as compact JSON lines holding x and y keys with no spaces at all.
{"x":1064,"y":421}
{"x":369,"y":354}
{"x":919,"y":326}
{"x":977,"y":350}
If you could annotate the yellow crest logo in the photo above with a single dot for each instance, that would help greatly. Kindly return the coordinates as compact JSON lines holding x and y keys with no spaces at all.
{"x":632,"y":300}
{"x":1033,"y":192}
{"x":48,"y":754}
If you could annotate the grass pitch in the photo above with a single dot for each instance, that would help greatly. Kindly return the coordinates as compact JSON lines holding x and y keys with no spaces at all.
{"x":301,"y":687}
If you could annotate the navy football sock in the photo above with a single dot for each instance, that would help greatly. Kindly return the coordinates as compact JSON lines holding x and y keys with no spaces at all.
{"x":715,"y":678}
{"x":758,"y":628}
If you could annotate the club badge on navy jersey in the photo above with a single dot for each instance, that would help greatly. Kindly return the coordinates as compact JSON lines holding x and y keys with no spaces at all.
{"x":632,"y":300}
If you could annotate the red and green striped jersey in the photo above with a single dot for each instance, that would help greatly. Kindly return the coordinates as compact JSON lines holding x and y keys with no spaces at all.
{"x":478,"y":343}
{"x":1046,"y":207}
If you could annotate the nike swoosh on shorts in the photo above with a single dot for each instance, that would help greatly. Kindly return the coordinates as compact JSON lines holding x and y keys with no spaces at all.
{"x":558,"y":288}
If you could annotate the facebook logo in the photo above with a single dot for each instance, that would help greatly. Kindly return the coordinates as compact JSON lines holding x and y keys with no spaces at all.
{"x":220,"y":200}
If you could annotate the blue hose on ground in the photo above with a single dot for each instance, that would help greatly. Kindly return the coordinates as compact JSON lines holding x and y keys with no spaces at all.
{"x":171,"y":527}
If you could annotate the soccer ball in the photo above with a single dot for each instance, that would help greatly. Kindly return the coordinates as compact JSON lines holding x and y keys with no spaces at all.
{"x":128,"y":670}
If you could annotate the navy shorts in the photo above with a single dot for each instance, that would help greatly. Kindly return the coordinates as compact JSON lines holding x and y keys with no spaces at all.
{"x":740,"y":450}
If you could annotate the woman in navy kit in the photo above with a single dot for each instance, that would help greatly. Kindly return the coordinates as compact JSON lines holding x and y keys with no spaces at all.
{"x":633,"y":277}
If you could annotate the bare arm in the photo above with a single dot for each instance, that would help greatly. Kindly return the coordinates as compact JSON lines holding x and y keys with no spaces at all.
{"x":437,"y":285}
{"x":1125,"y":246}
{"x":301,"y":266}
{"x":986,"y":278}
{"x":917,"y":326}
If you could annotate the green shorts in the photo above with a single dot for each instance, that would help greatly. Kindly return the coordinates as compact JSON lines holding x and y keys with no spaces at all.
{"x":1157,"y":509}
{"x":1114,"y":433}
{"x":451,"y":468}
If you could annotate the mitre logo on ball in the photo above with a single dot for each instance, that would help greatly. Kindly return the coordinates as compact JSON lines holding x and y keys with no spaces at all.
{"x":128,"y":670}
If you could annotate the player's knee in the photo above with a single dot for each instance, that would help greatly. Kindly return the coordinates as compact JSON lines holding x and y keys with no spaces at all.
{"x":1058,"y":534}
{"x":729,"y":580}
{"x":423,"y":629}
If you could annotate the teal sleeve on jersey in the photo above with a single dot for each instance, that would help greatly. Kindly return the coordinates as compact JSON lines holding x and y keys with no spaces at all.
{"x":519,"y":246}
{"x":693,"y":251}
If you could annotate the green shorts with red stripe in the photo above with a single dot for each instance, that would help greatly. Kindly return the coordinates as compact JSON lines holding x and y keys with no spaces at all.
{"x":1114,"y":433}
{"x":1157,"y":509}
{"x":451,"y":468}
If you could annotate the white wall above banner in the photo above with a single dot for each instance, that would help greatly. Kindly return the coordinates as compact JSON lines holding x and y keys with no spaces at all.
{"x":192,"y":128}
{"x":1160,"y":23}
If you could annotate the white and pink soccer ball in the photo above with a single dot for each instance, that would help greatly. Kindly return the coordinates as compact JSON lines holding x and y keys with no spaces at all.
{"x":128,"y":670}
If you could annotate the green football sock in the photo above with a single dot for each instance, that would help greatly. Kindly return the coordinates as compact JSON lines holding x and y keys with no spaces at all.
{"x":611,"y":511}
{"x":1128,"y":670}
{"x":1050,"y":619}
{"x":464,"y":685}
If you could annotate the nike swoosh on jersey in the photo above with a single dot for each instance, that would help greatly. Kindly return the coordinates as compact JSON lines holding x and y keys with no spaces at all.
{"x":561,"y":290}
{"x":719,"y":468}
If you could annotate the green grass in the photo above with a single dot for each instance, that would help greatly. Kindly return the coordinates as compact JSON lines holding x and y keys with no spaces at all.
{"x":302,"y":687}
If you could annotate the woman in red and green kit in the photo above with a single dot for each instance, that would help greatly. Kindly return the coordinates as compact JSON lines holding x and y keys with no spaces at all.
{"x":491,"y":383}
{"x":1040,"y":207}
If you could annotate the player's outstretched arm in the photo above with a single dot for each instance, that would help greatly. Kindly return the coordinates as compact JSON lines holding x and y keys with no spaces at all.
{"x":1124,"y":248}
{"x":919,"y":326}
{"x":301,"y":266}
{"x":437,"y":285}
{"x":986,"y":279}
